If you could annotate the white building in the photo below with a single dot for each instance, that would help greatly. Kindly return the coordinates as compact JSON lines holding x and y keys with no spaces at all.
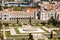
{"x":12,"y":15}
{"x":46,"y":15}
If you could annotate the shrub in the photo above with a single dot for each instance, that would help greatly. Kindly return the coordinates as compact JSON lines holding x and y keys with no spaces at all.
{"x":43,"y":23}
{"x":6,"y":24}
{"x":17,"y":8}
{"x":19,"y":24}
{"x":1,"y":8}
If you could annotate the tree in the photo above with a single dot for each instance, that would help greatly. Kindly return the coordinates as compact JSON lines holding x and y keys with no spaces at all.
{"x":51,"y":35}
{"x":0,"y":25}
{"x":58,"y":24}
{"x":0,"y":8}
{"x":18,"y":8}
{"x":1,"y":35}
{"x":5,"y":7}
{"x":17,"y":20}
{"x":13,"y":25}
{"x":45,"y":0}
{"x":30,"y":37}
{"x":43,"y":23}
{"x":30,"y":20}
{"x":52,"y":21}
{"x":26,"y":0}
{"x":6,"y":24}
{"x":19,"y":24}
{"x":56,"y":0}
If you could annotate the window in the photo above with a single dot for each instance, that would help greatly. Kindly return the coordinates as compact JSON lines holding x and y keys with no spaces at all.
{"x":0,"y":18}
{"x":45,"y":17}
{"x":5,"y":18}
{"x":42,"y":14}
{"x":42,"y":17}
{"x":51,"y":14}
{"x":48,"y":15}
{"x":45,"y":14}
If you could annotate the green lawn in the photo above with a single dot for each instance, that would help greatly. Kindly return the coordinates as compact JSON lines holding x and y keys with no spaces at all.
{"x":54,"y":39}
{"x":6,"y":27}
{"x":57,"y":31}
{"x":36,"y":24}
{"x":7,"y":34}
{"x":49,"y":26}
{"x":17,"y":31}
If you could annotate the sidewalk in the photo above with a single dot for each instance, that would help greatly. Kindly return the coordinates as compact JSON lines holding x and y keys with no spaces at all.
{"x":39,"y":36}
{"x":12,"y":31}
{"x":49,"y":30}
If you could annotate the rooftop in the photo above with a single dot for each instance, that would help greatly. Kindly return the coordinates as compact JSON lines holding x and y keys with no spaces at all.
{"x":49,"y":7}
{"x":25,"y":11}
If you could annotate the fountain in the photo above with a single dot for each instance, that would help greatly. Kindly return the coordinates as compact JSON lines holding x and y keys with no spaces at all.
{"x":30,"y":29}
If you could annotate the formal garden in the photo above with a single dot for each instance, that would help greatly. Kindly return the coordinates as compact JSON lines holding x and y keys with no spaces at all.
{"x":51,"y":23}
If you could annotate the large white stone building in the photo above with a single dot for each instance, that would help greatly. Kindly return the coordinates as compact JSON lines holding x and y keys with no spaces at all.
{"x":48,"y":14}
{"x":12,"y":16}
{"x":15,"y":14}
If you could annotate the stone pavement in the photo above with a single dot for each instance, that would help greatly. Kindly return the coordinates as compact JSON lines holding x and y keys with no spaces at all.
{"x":12,"y":31}
{"x":4,"y":32}
{"x":49,"y":30}
{"x":54,"y":28}
{"x":39,"y":36}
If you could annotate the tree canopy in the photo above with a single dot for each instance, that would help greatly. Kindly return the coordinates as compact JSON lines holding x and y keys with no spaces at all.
{"x":0,"y":8}
{"x":30,"y":37}
{"x":0,"y":25}
{"x":52,"y":21}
